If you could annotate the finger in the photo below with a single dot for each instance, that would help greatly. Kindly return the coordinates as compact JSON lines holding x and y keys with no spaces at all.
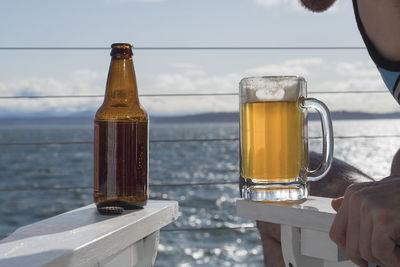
{"x":382,"y":246}
{"x":365,"y":243}
{"x":336,"y":203}
{"x":353,"y":229}
{"x":339,"y":226}
{"x":366,"y":225}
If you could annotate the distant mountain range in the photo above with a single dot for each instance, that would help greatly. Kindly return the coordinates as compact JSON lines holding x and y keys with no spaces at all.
{"x":196,"y":118}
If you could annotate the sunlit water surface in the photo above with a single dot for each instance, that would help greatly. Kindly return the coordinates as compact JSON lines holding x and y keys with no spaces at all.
{"x":181,"y":162}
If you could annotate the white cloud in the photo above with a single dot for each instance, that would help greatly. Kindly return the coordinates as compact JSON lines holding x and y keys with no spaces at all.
{"x":82,"y":82}
{"x":185,"y":82}
{"x":357,"y":69}
{"x":192,"y":81}
{"x":186,"y":66}
{"x":191,"y":78}
{"x":304,"y":61}
{"x":289,"y":67}
{"x":268,"y":3}
{"x":357,"y":76}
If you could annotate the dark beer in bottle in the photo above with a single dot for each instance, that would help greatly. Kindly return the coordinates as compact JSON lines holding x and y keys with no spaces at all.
{"x":120,"y":139}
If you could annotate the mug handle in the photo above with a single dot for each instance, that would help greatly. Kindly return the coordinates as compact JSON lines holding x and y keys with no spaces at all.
{"x":327,"y":137}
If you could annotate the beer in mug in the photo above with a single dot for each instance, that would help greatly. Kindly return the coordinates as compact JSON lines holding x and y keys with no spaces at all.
{"x":273,"y":139}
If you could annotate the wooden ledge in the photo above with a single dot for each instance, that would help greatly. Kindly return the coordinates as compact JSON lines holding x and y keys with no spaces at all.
{"x":82,"y":237}
{"x":315,"y":213}
{"x":304,"y":230}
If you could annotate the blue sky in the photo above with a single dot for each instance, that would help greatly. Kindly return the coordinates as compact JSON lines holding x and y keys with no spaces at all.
{"x":180,"y":23}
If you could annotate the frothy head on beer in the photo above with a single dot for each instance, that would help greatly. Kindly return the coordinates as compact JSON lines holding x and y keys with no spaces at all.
{"x":272,"y":89}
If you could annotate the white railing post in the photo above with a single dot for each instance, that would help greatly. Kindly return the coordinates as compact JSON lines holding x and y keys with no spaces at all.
{"x":140,"y":254}
{"x":83,"y":237}
{"x":304,"y":231}
{"x":291,"y":249}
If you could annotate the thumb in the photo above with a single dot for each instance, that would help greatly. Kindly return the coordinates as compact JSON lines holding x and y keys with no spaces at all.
{"x":336,"y":203}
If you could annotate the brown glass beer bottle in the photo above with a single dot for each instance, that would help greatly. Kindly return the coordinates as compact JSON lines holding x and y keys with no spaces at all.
{"x":120,"y":139}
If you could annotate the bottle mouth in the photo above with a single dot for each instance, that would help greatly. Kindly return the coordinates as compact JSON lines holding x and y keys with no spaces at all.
{"x":121,"y":50}
{"x":121,"y":45}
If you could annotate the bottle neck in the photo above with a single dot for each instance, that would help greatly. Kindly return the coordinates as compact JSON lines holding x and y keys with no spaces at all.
{"x":121,"y":88}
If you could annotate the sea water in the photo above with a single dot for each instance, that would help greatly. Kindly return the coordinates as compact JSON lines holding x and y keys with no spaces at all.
{"x":206,"y":206}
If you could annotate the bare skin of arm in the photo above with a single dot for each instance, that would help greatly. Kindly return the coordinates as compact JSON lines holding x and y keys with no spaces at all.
{"x":381,"y":21}
{"x":367,"y":225}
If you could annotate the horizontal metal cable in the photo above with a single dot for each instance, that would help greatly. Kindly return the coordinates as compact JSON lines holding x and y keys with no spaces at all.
{"x":44,"y":143}
{"x":44,"y":188}
{"x":189,"y":229}
{"x":141,"y":95}
{"x":348,"y":92}
{"x":188,"y":48}
{"x":91,"y":142}
{"x":196,"y":184}
{"x":194,"y":140}
{"x":48,"y":188}
{"x":184,"y":140}
{"x":360,"y":136}
{"x":182,"y":95}
{"x":50,"y":96}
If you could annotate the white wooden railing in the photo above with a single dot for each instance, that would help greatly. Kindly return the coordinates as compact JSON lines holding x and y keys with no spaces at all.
{"x":82,"y":237}
{"x":304,"y":231}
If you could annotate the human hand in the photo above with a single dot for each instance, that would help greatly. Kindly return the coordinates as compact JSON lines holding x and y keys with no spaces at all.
{"x":367,"y":224}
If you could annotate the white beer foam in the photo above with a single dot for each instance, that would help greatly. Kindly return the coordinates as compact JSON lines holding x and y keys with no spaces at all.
{"x":263,"y":89}
{"x":269,"y":94}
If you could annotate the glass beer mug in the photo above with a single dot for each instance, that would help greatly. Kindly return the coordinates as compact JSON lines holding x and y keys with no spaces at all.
{"x":274,"y":139}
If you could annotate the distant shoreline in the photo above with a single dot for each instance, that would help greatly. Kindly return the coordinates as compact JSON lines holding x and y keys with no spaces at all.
{"x":234,"y":117}
{"x":218,"y":117}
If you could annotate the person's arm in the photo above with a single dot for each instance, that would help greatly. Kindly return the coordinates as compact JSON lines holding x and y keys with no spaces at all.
{"x":381,"y":21}
{"x":379,"y":24}
{"x":367,"y":225}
